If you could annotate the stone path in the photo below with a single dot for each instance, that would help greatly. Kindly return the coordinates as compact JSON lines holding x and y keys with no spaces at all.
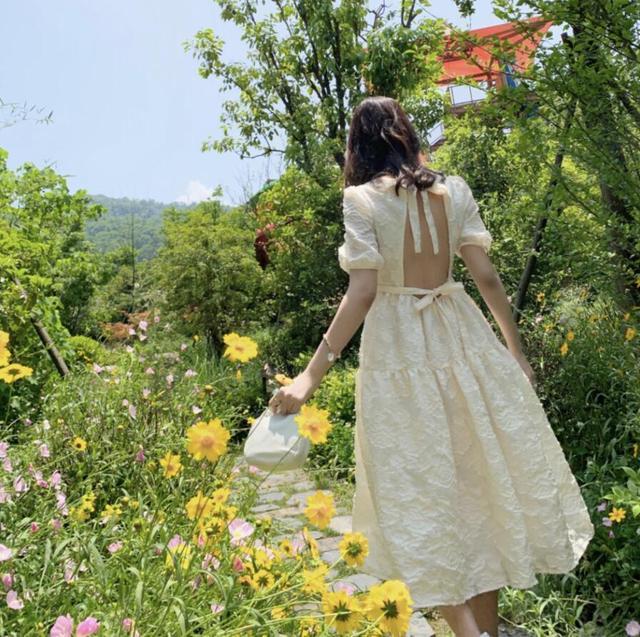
{"x":282,"y":496}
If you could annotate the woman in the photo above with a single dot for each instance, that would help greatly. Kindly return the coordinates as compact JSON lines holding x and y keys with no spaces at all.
{"x":461,"y":484}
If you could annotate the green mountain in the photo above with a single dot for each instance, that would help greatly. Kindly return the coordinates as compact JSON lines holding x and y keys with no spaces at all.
{"x":127,"y":219}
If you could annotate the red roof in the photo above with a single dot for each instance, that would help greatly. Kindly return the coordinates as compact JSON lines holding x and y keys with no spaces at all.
{"x":485,"y":60}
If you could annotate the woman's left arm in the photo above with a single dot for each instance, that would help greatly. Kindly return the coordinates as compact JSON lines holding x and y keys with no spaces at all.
{"x":351,"y":313}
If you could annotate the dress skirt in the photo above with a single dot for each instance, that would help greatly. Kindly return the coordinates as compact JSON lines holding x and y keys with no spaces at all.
{"x":461,"y":484}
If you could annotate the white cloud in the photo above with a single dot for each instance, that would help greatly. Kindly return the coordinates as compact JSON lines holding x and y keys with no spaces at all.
{"x":195,"y":193}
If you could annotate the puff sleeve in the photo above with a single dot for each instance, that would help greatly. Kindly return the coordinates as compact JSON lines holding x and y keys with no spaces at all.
{"x":472,"y":228}
{"x":360,"y":246}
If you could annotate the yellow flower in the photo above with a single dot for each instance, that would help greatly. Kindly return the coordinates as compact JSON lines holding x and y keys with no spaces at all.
{"x":111,"y":512}
{"x":262,"y":579}
{"x":239,"y":348}
{"x":180,"y":553}
{"x":5,"y":354}
{"x":540,"y":296}
{"x":342,"y":610}
{"x":199,"y":506}
{"x":389,"y":605}
{"x":630,"y":333}
{"x":171,"y":464}
{"x":14,"y":372}
{"x":320,"y":509}
{"x":354,"y":547}
{"x":311,"y":542}
{"x":564,"y":348}
{"x":309,"y":626}
{"x":617,"y":515}
{"x":278,"y":612}
{"x":221,"y":495}
{"x":88,"y":501}
{"x":314,"y":579}
{"x":635,"y":449}
{"x":570,"y":335}
{"x":78,"y":513}
{"x":313,"y":423}
{"x":626,"y":316}
{"x":207,"y":440}
{"x":283,"y":380}
{"x":80,"y":444}
{"x":238,"y":375}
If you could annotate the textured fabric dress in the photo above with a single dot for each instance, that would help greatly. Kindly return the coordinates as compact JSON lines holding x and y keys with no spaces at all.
{"x":461,"y":485}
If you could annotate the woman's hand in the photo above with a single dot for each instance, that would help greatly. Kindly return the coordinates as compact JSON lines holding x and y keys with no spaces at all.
{"x":526,"y":368}
{"x":290,"y":398}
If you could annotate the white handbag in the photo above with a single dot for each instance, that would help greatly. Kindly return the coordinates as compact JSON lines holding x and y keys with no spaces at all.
{"x":274,"y":443}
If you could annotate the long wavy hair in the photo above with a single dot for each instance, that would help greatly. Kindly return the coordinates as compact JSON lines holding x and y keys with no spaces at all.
{"x":383,"y":141}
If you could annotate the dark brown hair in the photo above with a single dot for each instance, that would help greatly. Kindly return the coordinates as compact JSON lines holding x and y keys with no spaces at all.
{"x":383,"y":141}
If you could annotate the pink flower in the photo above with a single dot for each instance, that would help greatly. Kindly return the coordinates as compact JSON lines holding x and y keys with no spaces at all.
{"x":632,"y":628}
{"x":97,"y":369}
{"x":149,"y":370}
{"x":142,"y":337}
{"x":127,"y":623}
{"x":169,"y":379}
{"x":19,"y":485}
{"x":347,"y":587}
{"x":55,"y":479}
{"x":44,"y":450}
{"x":196,"y":410}
{"x":607,"y":522}
{"x":210,"y":559}
{"x":156,"y":318}
{"x":61,"y":499}
{"x":602,"y":506}
{"x":34,"y":527}
{"x":4,"y":446}
{"x":239,"y":529}
{"x":132,"y":331}
{"x":140,"y":455}
{"x":114,"y":547}
{"x":13,"y":601}
{"x":6,"y":465}
{"x":7,"y":580}
{"x":130,"y":349}
{"x":189,"y":373}
{"x":217,"y":608}
{"x":143,"y":325}
{"x":5,"y":553}
{"x":55,"y":524}
{"x":237,"y":564}
{"x":5,"y":496}
{"x":69,"y":567}
{"x":63,"y":627}
{"x":89,"y":626}
{"x":176,"y":540}
{"x":132,"y":410}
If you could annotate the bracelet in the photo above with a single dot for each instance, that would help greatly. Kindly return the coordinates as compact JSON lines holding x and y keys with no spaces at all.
{"x":331,"y":356}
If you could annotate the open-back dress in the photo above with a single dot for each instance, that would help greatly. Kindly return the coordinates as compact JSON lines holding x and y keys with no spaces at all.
{"x":461,"y":484}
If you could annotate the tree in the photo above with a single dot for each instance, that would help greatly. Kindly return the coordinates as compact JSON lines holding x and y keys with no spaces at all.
{"x":309,"y":63}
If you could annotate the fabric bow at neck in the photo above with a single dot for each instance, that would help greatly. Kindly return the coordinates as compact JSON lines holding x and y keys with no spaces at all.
{"x":411,"y":204}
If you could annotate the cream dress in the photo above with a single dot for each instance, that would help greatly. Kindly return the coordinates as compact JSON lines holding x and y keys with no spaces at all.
{"x":461,"y":484}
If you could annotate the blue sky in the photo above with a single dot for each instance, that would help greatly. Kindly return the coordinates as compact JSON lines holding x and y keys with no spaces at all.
{"x":130,"y":111}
